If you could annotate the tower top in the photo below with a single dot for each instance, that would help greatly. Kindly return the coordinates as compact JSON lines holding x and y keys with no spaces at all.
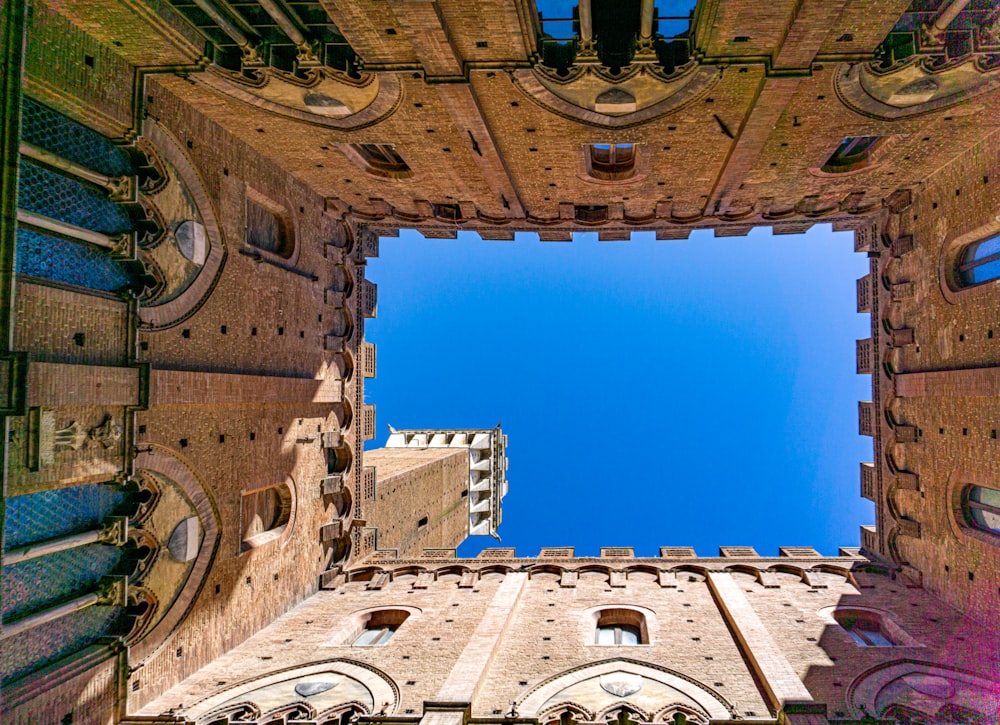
{"x":487,"y":468}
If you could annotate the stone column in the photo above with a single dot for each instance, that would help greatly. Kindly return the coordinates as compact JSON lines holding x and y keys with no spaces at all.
{"x":115,"y":533}
{"x":586,"y":28}
{"x":646,"y":23}
{"x":113,"y":592}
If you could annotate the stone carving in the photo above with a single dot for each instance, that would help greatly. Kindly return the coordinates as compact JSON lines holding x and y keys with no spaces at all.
{"x":108,"y":433}
{"x":72,"y":437}
{"x":306,"y":689}
{"x":621,"y":684}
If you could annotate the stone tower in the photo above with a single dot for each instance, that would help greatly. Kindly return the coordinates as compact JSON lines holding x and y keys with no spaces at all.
{"x":453,"y":483}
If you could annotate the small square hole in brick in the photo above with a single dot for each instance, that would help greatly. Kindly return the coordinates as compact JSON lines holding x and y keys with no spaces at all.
{"x":222,"y":437}
{"x":965,"y":431}
{"x":184,"y":442}
{"x":222,"y":330}
{"x":253,"y":435}
{"x":281,"y":330}
{"x":186,"y":333}
{"x":144,"y":345}
{"x":248,"y":580}
{"x":972,"y":577}
{"x":253,"y":331}
{"x":218,"y":588}
{"x":482,"y":44}
{"x":280,"y":431}
{"x":302,"y":333}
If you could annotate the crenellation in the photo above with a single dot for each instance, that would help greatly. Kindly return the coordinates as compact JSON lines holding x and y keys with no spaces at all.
{"x":203,"y":379}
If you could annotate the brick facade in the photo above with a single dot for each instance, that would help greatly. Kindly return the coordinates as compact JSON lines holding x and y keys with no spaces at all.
{"x":249,"y":382}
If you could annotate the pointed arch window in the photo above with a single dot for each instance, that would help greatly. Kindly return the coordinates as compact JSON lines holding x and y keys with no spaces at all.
{"x":265,"y":514}
{"x":979,"y":262}
{"x":611,"y":162}
{"x":269,"y":226}
{"x":853,"y":153}
{"x":382,"y":159}
{"x":866,"y":628}
{"x":981,"y":507}
{"x":379,"y":626}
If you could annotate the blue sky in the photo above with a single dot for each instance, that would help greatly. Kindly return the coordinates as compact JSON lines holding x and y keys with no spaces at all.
{"x":655,"y":393}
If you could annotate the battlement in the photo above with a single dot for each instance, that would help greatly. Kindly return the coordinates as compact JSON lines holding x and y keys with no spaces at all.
{"x":487,"y":468}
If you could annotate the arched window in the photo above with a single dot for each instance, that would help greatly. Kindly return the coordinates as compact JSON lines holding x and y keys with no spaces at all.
{"x":264,"y":514}
{"x":382,"y":159}
{"x":853,"y":153}
{"x":620,"y":627}
{"x":979,"y":262}
{"x":981,"y":507}
{"x":269,"y":227}
{"x":379,"y":626}
{"x":866,"y":628}
{"x":611,"y":162}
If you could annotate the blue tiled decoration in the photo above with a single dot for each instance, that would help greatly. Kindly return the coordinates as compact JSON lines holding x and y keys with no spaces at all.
{"x":48,"y":580}
{"x":37,"y":647}
{"x":43,"y":127}
{"x":53,"y":195}
{"x":48,"y":514}
{"x":41,"y":255}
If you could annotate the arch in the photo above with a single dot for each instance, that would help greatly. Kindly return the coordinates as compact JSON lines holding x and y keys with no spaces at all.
{"x":270,"y":229}
{"x":365,"y":574}
{"x":611,"y":162}
{"x":958,"y":485}
{"x":979,"y":511}
{"x":379,"y":686}
{"x":953,"y":250}
{"x":875,"y":691}
{"x":266,"y":514}
{"x":977,"y":263}
{"x":852,"y":154}
{"x":565,"y":713}
{"x":713,"y":704}
{"x":688,"y":86}
{"x":502,"y":569}
{"x":338,"y":459}
{"x":377,"y":159}
{"x":868,"y":626}
{"x":156,"y":317}
{"x":545,"y":569}
{"x":620,"y":626}
{"x":897,"y":94}
{"x":160,"y":461}
{"x":342,"y":279}
{"x":340,"y":323}
{"x":385,"y":102}
{"x":643,"y":568}
{"x":355,"y":622}
{"x":339,"y":551}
